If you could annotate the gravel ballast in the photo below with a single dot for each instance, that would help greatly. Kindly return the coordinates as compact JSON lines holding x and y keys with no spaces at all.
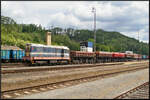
{"x":100,"y":89}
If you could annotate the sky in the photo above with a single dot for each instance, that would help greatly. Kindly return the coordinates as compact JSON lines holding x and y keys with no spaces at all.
{"x":126,"y":17}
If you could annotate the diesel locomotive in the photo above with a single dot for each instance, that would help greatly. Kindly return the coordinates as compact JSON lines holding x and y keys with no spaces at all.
{"x":38,"y":52}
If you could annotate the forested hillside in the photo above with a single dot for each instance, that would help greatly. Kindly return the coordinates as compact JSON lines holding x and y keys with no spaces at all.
{"x":20,"y":34}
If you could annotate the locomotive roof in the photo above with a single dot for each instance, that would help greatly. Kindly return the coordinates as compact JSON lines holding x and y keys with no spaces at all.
{"x":52,"y":46}
{"x":6,"y":47}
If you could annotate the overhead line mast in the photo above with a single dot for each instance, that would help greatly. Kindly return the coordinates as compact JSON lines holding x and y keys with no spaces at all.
{"x":139,"y":45}
{"x":94,"y":11}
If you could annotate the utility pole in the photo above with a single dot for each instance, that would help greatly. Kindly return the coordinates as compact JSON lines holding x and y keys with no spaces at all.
{"x":103,"y":39}
{"x":138,"y":36}
{"x":52,"y":29}
{"x":139,"y":45}
{"x":94,"y":11}
{"x":121,"y":46}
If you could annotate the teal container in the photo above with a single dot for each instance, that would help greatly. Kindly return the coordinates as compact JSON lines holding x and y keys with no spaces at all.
{"x":5,"y":54}
{"x":17,"y":54}
{"x":1,"y":54}
{"x":23,"y":53}
{"x":144,"y":56}
{"x":8,"y":54}
{"x":20,"y":54}
{"x":14,"y":54}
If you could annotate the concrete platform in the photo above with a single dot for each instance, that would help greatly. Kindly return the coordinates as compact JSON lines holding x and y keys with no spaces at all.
{"x":99,"y":89}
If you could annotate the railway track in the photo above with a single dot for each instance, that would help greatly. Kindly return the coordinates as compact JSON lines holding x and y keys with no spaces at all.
{"x":12,"y":65}
{"x":53,"y":68}
{"x":16,"y":65}
{"x":46,"y":87}
{"x":140,"y":92}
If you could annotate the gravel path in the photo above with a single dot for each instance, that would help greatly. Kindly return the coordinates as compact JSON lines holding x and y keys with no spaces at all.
{"x":100,"y":89}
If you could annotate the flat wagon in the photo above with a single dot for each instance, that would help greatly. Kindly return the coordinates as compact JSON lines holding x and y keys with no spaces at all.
{"x":82,"y":57}
{"x":117,"y":56}
{"x":102,"y":56}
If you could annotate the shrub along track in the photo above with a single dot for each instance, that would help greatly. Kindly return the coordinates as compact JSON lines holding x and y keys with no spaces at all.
{"x":64,"y":81}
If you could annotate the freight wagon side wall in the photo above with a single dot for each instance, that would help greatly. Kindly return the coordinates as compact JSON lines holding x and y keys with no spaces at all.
{"x":103,"y":54}
{"x":14,"y":54}
{"x":118,"y":55}
{"x":20,"y":54}
{"x":5,"y":54}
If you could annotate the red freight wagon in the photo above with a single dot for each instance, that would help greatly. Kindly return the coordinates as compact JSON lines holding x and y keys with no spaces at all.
{"x":118,"y":55}
{"x":129,"y":55}
{"x":135,"y":56}
{"x":140,"y":56}
{"x":81,"y":54}
{"x":82,"y":57}
{"x":103,"y":54}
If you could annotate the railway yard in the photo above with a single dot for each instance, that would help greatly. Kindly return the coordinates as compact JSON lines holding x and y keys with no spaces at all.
{"x":64,"y":58}
{"x":71,"y":81}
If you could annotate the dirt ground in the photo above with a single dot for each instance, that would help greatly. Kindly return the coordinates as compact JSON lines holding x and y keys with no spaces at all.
{"x":19,"y":80}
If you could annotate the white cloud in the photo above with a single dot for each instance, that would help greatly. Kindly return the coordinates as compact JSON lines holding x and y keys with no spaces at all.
{"x":123,"y":16}
{"x":142,"y":33}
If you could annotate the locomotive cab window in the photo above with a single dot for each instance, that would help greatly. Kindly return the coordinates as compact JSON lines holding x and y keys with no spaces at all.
{"x":33,"y":49}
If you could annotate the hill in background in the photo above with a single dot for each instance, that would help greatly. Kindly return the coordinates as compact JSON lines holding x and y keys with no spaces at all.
{"x":20,"y":34}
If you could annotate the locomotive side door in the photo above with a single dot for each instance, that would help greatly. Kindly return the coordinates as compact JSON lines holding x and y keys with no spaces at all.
{"x":62,"y":53}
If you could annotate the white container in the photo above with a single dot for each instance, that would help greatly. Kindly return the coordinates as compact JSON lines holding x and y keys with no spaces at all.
{"x":89,"y":49}
{"x":129,"y":52}
{"x":86,"y":49}
{"x":82,"y":48}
